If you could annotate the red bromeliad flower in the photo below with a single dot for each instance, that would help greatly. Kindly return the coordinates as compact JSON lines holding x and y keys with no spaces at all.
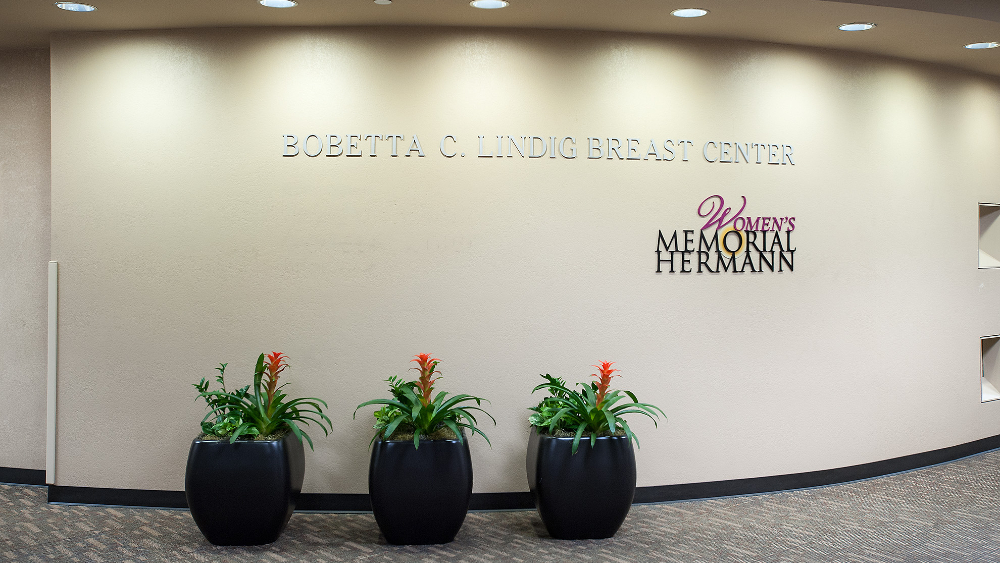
{"x":604,"y":380}
{"x":427,"y":368}
{"x":275,"y":364}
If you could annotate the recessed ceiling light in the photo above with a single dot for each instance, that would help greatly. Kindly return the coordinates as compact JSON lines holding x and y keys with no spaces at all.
{"x":856,"y":26}
{"x":383,"y":2}
{"x":75,"y":7}
{"x":489,"y":4}
{"x":278,"y":3}
{"x":689,"y":13}
{"x":988,"y":45}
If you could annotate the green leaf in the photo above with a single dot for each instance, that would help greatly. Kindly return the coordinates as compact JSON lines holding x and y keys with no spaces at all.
{"x":576,"y":439}
{"x":475,"y":430}
{"x":454,"y":428}
{"x":258,"y":373}
{"x":239,"y":432}
{"x":392,"y":427}
{"x":558,"y":416}
{"x":300,"y":434}
{"x":388,"y":402}
{"x":628,"y":432}
{"x":610,"y":418}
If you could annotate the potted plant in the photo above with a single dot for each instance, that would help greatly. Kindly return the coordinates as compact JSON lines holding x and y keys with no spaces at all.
{"x":420,"y":460}
{"x":583,"y":488}
{"x":245,"y":470}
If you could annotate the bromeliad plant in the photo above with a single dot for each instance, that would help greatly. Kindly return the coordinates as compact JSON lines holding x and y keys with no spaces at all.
{"x":411,"y":407}
{"x":594,"y":410}
{"x":265,"y":411}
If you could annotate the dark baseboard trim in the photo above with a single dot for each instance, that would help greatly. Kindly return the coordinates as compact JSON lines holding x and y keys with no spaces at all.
{"x":18,"y":476}
{"x":328,"y":502}
{"x":776,"y":483}
{"x":117,"y":497}
{"x":332,"y":502}
{"x":501,"y":501}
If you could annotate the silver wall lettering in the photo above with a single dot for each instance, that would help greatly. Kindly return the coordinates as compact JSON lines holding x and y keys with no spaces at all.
{"x":443,"y":139}
{"x":291,"y":145}
{"x":668,"y":150}
{"x":535,"y":146}
{"x":392,"y":138}
{"x":305,"y":145}
{"x":352,"y":143}
{"x":615,"y":149}
{"x":787,"y":151}
{"x":481,"y":153}
{"x":330,"y":145}
{"x":704,"y":151}
{"x":685,"y":145}
{"x":591,"y":148}
{"x":651,"y":150}
{"x":740,"y":149}
{"x":373,"y":138}
{"x":415,"y":146}
{"x":512,"y":143}
{"x":531,"y":148}
{"x":724,"y":154}
{"x":629,"y":149}
{"x":562,"y":147}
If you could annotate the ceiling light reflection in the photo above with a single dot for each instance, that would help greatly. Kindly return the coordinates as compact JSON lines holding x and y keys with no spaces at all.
{"x":856,"y":26}
{"x":489,"y":4}
{"x":75,"y":7}
{"x":689,"y":13}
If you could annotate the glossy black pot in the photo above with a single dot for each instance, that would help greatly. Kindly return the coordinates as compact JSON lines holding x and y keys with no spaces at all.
{"x":585,"y":495}
{"x":244,"y":493}
{"x":420,"y":495}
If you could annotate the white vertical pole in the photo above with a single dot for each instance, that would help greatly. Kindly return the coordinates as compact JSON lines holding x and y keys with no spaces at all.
{"x":50,"y":435}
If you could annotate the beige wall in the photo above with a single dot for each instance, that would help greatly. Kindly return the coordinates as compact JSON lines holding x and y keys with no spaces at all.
{"x":185,"y":239}
{"x":24,"y":253}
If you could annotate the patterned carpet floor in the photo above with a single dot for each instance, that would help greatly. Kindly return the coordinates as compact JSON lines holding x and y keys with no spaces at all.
{"x":948,"y":512}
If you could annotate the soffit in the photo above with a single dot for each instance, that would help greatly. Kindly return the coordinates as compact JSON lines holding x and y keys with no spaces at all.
{"x":931,"y":31}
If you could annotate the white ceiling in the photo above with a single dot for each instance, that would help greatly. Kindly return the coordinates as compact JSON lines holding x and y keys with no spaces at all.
{"x":925,"y":30}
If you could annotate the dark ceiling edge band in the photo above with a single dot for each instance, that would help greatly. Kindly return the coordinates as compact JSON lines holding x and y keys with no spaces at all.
{"x":18,"y":476}
{"x":328,"y":502}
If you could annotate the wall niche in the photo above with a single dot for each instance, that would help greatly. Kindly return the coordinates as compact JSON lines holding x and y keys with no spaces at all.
{"x":990,"y":377}
{"x":989,"y":235}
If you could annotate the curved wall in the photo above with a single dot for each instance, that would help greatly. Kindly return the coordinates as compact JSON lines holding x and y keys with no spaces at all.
{"x":24,"y":251}
{"x":186,"y":239}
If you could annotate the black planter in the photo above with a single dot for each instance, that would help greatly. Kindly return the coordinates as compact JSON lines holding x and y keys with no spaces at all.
{"x":420,"y":495}
{"x":244,"y":493}
{"x":585,"y":495}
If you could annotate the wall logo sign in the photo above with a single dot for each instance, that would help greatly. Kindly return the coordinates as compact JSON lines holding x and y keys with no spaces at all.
{"x":534,"y":146}
{"x":728,"y":242}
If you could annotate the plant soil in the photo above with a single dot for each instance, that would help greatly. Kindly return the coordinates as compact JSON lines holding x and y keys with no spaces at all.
{"x":560,"y":433}
{"x":276,"y":436}
{"x":406,"y":434}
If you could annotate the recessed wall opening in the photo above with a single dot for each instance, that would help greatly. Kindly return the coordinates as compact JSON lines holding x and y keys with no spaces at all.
{"x":991,"y":367}
{"x":989,"y":235}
